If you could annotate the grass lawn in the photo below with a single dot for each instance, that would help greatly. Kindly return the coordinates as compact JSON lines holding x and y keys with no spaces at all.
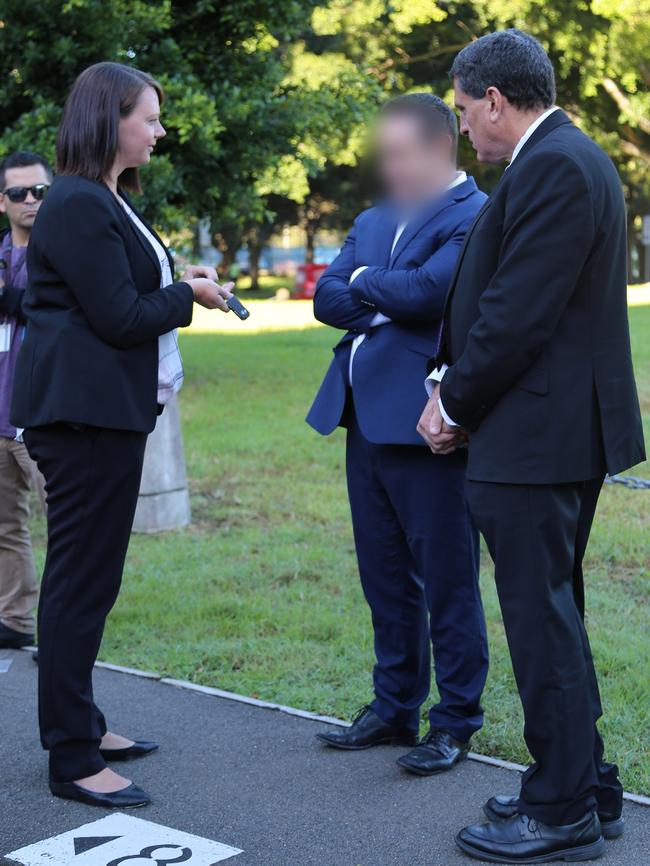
{"x":268,"y":286}
{"x":261,"y":596}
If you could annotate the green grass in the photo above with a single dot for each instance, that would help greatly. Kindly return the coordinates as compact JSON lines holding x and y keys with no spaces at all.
{"x":268,"y":286}
{"x":261,"y":594}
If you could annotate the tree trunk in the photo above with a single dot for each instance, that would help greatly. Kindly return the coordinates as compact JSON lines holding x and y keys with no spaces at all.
{"x":254,"y":253}
{"x":311,"y":243}
{"x":228,"y":240}
{"x":164,"y":502}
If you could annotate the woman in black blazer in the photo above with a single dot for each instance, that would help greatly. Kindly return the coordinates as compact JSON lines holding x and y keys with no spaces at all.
{"x":99,"y":359}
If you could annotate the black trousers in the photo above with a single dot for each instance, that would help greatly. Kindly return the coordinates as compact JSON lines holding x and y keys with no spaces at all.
{"x":92,"y":478}
{"x":418,"y":557}
{"x":537,"y":536}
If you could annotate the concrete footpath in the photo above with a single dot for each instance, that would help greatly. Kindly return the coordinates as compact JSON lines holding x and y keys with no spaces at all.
{"x":243,"y":778}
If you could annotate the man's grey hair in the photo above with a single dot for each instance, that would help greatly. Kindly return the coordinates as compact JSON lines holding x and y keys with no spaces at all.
{"x":432,"y":112}
{"x":512,"y":61}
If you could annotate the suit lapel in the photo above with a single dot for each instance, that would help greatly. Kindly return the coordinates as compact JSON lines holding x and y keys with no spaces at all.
{"x":417,"y":224}
{"x":468,"y":235}
{"x":554,"y":120}
{"x":470,"y":231}
{"x":558,"y":118}
{"x":142,"y":240}
{"x":162,"y":244}
{"x":385,"y":235}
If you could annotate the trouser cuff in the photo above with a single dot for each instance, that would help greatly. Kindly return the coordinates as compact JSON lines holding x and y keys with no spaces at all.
{"x":558,"y":814}
{"x":405,"y":719}
{"x":72,"y":761}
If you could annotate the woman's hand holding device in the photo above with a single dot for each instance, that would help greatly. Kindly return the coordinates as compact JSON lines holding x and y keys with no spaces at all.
{"x":209,"y":293}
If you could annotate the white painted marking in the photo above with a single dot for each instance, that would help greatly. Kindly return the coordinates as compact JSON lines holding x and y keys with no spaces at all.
{"x":639,"y":799}
{"x":5,"y":664}
{"x":254,"y":702}
{"x":122,"y":840}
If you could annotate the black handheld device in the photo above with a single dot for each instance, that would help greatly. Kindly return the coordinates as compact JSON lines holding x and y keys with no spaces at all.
{"x":238,"y":308}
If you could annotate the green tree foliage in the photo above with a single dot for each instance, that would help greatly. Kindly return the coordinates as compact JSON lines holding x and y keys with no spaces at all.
{"x":599,"y":48}
{"x":241,"y":126}
{"x":268,"y":101}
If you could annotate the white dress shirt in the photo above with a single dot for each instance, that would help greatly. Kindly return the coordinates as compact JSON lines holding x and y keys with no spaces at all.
{"x":437,"y":375}
{"x":380,"y":318}
{"x":531,"y":129}
{"x":170,"y":365}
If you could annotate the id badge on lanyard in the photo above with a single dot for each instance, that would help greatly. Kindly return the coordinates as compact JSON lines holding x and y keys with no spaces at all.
{"x":5,"y":336}
{"x":5,"y":327}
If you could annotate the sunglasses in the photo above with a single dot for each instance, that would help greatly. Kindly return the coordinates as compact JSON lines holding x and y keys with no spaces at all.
{"x":19,"y":193}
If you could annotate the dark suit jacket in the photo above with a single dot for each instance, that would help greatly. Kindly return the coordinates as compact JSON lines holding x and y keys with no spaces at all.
{"x":94,"y":312}
{"x":536,"y":325}
{"x":409,"y":286}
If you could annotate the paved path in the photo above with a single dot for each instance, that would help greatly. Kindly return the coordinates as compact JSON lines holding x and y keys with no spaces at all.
{"x":255,"y":779}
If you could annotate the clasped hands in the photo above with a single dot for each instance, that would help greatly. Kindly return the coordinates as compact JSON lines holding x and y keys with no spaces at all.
{"x":432,"y":427}
{"x":204,"y":282}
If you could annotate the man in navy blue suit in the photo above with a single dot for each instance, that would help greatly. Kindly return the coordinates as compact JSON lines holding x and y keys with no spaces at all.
{"x":416,"y":545}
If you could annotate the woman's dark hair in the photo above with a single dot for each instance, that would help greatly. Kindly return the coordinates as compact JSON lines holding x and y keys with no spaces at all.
{"x":87,"y":140}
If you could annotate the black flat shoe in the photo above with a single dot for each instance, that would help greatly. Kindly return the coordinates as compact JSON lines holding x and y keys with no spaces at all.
{"x":140,"y":749}
{"x":502,"y":808}
{"x":368,"y":730}
{"x":438,"y":751}
{"x":129,"y":798}
{"x":11,"y":639}
{"x":521,"y":839}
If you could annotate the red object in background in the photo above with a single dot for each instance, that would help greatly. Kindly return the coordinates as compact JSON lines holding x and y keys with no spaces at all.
{"x":306,"y":278}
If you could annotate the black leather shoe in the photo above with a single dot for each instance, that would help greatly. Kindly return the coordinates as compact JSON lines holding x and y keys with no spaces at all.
{"x":501,"y":808}
{"x":11,"y":639}
{"x":128,"y":798}
{"x":436,"y":752}
{"x":521,"y":839}
{"x":139,"y":749}
{"x":368,"y":730}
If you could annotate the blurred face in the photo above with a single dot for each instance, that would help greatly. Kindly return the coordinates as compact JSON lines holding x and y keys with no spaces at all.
{"x":21,"y":215}
{"x":139,"y":132}
{"x":483,"y":122}
{"x":412,"y":165}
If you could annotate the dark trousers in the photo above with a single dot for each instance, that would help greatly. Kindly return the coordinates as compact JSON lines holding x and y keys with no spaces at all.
{"x":537,"y":536}
{"x":418,"y":559}
{"x":92,"y":478}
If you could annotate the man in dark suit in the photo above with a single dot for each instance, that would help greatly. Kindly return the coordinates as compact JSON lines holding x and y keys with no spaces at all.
{"x":534,"y":364}
{"x":416,"y":546}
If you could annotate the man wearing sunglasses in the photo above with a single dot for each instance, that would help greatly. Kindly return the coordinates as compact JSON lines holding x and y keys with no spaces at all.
{"x":24,"y":180}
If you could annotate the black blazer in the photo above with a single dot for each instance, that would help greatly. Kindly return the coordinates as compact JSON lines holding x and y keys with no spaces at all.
{"x":94,"y":310}
{"x":536,"y":326}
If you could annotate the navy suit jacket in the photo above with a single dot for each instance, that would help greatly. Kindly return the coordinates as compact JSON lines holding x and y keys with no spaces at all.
{"x":409,"y":286}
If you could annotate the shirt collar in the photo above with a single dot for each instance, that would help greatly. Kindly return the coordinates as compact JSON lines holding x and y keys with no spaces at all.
{"x":531,"y":129}
{"x":405,"y":217}
{"x":461,"y":177}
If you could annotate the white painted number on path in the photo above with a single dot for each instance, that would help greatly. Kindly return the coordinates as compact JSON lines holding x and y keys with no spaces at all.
{"x":121,"y":840}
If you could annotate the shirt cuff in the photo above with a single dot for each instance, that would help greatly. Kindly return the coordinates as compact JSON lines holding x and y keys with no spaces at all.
{"x":430,"y":383}
{"x":446,"y":417}
{"x":378,"y":318}
{"x":356,"y":273}
{"x":435,"y":376}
